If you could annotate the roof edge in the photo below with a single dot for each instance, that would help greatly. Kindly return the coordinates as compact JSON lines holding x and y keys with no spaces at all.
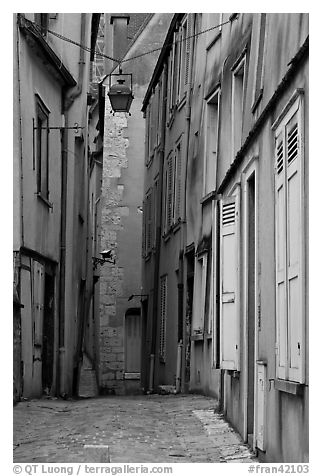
{"x":163,"y":54}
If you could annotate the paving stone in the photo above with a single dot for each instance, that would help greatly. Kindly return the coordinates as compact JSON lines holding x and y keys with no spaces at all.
{"x":139,"y":429}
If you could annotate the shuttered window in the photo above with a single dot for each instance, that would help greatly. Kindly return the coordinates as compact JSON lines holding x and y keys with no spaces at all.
{"x":178,"y":187}
{"x":144,"y":229}
{"x":169,"y":192}
{"x":163,"y":315}
{"x":229,"y":283}
{"x":289,"y":243}
{"x":149,"y":205}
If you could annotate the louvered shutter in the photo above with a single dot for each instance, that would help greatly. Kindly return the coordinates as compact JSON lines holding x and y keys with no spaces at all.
{"x":188,"y":49}
{"x":295,"y":229}
{"x":144,"y":229}
{"x":163,"y":316}
{"x":38,"y":301}
{"x":170,"y":192}
{"x":229,"y":283}
{"x":149,"y":220}
{"x":178,"y":184}
{"x":280,"y":260}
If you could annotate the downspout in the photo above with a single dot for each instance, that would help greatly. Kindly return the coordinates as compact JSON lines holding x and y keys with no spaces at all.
{"x":183,"y":233}
{"x":157,"y":246}
{"x":67,"y":100}
{"x":20,"y":139}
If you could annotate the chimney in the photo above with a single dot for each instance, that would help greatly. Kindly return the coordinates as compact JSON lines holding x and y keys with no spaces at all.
{"x":120,"y":41}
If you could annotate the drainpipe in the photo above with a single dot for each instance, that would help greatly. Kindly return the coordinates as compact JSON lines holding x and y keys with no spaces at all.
{"x":20,"y":137}
{"x":68,"y":99}
{"x":157,"y":246}
{"x":183,"y":232}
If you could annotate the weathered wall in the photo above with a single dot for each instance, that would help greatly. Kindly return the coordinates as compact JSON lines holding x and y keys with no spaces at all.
{"x":40,"y":225}
{"x":121,"y":219}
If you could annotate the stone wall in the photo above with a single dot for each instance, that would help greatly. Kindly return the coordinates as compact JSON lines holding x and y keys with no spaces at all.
{"x":112,"y":276}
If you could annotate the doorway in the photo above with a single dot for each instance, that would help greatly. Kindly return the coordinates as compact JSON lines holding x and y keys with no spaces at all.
{"x":48,"y":334}
{"x":133,"y":341}
{"x":251,"y":302}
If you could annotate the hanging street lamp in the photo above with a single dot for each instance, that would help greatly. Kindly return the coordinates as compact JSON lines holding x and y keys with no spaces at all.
{"x":120,"y":91}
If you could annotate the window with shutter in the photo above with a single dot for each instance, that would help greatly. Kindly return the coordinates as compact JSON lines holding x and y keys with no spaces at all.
{"x":42,"y":148}
{"x":188,"y":47}
{"x":170,"y":191}
{"x":149,"y":221}
{"x":177,"y":189}
{"x":229,"y":283}
{"x":289,"y":243}
{"x":144,"y":230}
{"x":163,"y":316}
{"x":199,"y":301}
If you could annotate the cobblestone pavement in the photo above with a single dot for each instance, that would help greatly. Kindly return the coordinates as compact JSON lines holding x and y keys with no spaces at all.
{"x":142,"y":429}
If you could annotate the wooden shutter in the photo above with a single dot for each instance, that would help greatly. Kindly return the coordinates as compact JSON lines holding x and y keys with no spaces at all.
{"x":295,"y":227}
{"x":38,"y":301}
{"x":144,"y":229}
{"x":149,"y":221}
{"x":188,"y":48}
{"x":163,"y":316}
{"x":289,"y":245}
{"x":229,"y":283}
{"x":280,"y":236}
{"x":170,"y":192}
{"x":178,"y":184}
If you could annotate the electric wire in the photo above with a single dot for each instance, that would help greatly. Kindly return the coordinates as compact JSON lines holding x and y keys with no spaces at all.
{"x":120,"y":61}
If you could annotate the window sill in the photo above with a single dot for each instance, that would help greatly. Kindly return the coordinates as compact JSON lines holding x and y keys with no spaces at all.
{"x":197,"y":337}
{"x":171,"y":120}
{"x":166,"y":236}
{"x":147,"y":257}
{"x":234,"y":373}
{"x":132,"y":375}
{"x":182,"y":102}
{"x":257,"y":100}
{"x":294,"y":388}
{"x":44,"y":200}
{"x":176,"y":226}
{"x":210,"y":196}
{"x":214,"y":41}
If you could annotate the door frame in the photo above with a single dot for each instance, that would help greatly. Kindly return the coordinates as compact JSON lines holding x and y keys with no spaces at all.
{"x":250,"y":170}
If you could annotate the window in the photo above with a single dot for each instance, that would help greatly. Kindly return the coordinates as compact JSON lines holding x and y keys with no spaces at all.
{"x":177,"y":192}
{"x":289,"y":243}
{"x":163,"y":315}
{"x":169,"y":85}
{"x":148,"y":223}
{"x":168,"y":195}
{"x":238,"y":89}
{"x":42,"y":148}
{"x":144,"y":229}
{"x":211,"y":142}
{"x":199,"y":302}
{"x":229,"y":282}
{"x":155,"y":211}
{"x":260,"y":40}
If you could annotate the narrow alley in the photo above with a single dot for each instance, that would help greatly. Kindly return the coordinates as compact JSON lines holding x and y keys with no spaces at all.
{"x":141,"y":429}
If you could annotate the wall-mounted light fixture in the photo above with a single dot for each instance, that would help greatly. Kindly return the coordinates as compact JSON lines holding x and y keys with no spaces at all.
{"x":106,"y":258}
{"x":137,"y":295}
